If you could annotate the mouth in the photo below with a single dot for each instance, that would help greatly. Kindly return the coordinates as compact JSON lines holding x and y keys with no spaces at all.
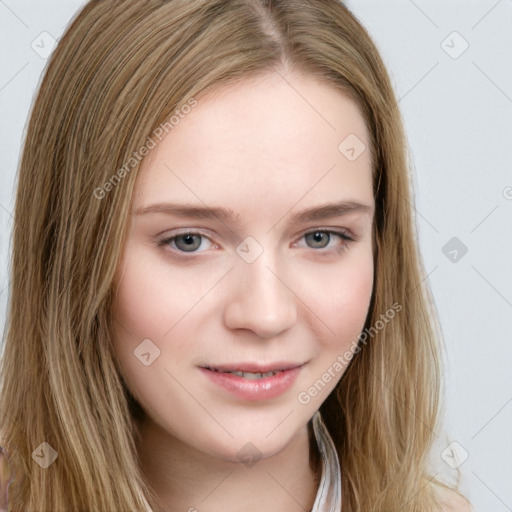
{"x":253,"y":382}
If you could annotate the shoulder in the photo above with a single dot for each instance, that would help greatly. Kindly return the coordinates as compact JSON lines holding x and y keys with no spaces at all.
{"x":451,"y":500}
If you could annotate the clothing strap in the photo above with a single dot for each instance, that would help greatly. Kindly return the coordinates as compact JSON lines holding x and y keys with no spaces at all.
{"x":328,"y":498}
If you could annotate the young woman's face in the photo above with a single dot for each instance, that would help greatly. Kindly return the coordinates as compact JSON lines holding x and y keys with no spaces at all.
{"x":250,"y":249}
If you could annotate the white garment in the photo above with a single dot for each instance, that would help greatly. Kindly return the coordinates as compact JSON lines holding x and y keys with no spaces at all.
{"x":328,"y":497}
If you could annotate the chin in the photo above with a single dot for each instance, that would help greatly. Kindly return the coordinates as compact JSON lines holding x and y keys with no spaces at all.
{"x":261,"y":440}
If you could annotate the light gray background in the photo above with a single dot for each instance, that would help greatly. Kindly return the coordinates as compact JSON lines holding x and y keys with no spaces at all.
{"x":457,"y":108}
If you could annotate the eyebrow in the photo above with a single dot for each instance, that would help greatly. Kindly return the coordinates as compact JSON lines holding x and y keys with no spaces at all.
{"x":228,"y":215}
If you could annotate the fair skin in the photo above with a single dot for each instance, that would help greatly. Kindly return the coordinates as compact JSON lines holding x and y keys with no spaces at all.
{"x":266,"y":149}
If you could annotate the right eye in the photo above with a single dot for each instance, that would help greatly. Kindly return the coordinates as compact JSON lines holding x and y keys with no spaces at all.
{"x":186,"y":242}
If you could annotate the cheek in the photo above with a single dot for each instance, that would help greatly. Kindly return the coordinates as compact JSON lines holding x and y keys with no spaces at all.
{"x":151,"y":300}
{"x":340,"y":301}
{"x":141,"y":318}
{"x":152,"y":303}
{"x":340,"y":311}
{"x":140,"y":313}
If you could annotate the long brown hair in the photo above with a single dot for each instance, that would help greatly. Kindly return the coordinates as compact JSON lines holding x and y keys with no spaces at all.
{"x":120,"y":71}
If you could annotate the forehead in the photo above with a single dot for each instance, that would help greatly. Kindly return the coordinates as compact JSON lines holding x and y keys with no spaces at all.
{"x":271,"y":137}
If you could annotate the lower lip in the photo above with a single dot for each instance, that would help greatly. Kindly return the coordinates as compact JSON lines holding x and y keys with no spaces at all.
{"x":258,"y":389}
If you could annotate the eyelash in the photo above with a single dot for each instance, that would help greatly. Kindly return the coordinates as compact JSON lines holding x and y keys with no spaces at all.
{"x":346,"y":239}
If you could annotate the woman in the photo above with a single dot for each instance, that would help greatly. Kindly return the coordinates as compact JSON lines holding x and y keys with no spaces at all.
{"x":216,"y":287}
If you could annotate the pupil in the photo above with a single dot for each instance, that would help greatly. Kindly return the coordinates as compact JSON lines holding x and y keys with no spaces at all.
{"x":188,"y":242}
{"x":319,"y":237}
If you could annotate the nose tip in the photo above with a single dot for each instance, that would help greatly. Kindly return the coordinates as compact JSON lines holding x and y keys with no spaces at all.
{"x":260,"y":301}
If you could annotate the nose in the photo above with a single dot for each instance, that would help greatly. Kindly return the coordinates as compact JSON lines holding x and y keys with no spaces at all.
{"x":260,"y":299}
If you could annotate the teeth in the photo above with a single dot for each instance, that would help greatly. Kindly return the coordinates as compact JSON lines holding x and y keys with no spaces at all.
{"x":253,"y":376}
{"x":248,"y":375}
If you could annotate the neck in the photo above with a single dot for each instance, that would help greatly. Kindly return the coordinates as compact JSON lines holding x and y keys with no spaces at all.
{"x":186,"y":479}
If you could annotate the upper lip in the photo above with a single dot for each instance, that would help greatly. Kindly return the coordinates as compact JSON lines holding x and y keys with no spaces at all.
{"x":253,"y":367}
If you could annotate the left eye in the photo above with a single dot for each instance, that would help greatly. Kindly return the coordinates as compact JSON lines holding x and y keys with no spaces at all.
{"x":320,"y":239}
